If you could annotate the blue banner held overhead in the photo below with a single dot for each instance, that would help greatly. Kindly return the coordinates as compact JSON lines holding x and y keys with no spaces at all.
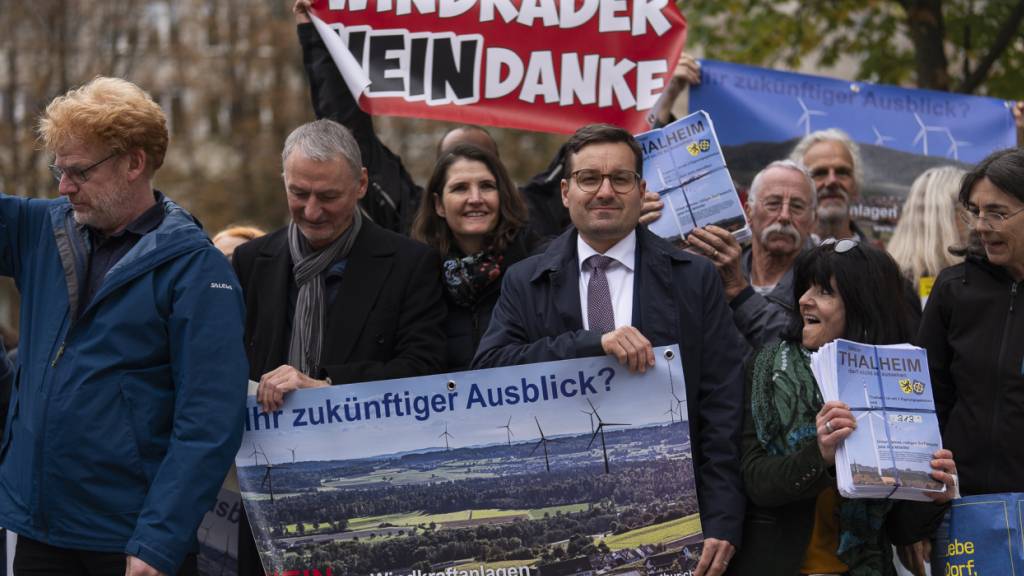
{"x":750,"y":104}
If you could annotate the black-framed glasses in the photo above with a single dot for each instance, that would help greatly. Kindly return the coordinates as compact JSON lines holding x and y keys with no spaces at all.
{"x":841,"y":246}
{"x":993,"y":220}
{"x":78,"y":176}
{"x":622,"y":181}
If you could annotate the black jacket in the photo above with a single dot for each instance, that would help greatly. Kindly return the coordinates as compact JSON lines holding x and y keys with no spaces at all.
{"x":386,"y":321}
{"x":973,"y":328}
{"x":677,"y":298}
{"x":465,"y":326}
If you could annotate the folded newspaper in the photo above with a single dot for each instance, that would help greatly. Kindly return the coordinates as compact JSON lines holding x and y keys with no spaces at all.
{"x":684,"y":165}
{"x":889,"y":391}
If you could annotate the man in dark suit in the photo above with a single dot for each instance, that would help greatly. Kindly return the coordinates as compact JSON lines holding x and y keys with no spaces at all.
{"x":608,"y":286}
{"x":332,"y":298}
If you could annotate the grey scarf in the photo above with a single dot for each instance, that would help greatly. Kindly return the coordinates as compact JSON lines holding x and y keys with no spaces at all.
{"x":308,"y":267}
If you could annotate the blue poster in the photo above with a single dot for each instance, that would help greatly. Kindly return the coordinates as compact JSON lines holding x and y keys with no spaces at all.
{"x":568,"y":467}
{"x":761,"y":114}
{"x":980,"y":536}
{"x":750,"y":104}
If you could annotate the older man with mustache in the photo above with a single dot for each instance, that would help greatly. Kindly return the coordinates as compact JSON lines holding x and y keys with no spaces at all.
{"x":781,"y":207}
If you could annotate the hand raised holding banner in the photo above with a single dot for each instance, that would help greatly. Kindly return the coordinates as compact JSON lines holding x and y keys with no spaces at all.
{"x":301,"y":11}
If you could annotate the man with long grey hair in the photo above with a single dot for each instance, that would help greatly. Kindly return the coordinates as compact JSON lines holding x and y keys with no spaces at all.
{"x":332,"y":298}
{"x":758,"y":280}
{"x":834,"y":162}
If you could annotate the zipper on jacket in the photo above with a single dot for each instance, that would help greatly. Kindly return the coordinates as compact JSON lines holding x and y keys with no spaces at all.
{"x":1000,"y":360}
{"x":60,"y":352}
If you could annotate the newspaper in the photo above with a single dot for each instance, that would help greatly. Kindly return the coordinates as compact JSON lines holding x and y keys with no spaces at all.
{"x":889,"y":391}
{"x":684,"y":164}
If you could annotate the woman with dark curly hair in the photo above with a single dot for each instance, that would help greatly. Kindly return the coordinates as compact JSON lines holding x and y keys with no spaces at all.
{"x":797,"y":523}
{"x":473,"y":214}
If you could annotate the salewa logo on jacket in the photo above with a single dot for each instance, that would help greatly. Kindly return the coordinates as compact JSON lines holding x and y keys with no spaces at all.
{"x":221,"y":285}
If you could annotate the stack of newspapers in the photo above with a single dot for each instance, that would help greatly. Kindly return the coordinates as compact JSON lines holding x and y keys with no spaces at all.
{"x":890,"y":394}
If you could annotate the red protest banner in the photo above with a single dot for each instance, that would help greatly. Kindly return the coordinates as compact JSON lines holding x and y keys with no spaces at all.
{"x":544,"y":65}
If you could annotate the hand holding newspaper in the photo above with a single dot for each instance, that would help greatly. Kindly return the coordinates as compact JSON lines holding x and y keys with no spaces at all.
{"x":683,"y":163}
{"x":889,"y":391}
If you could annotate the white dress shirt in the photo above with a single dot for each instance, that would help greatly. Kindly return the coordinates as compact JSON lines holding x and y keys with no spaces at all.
{"x":619,"y":274}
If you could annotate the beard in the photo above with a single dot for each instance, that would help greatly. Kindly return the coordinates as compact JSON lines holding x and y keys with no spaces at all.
{"x":833,"y":214}
{"x":107,"y":208}
{"x":830,"y":212}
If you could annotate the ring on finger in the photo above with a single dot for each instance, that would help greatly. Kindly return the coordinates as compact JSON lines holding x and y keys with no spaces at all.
{"x":828,"y":426}
{"x":714,"y":254}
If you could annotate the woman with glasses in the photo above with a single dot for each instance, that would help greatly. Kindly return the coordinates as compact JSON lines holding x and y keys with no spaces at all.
{"x":973,"y":329}
{"x":473,"y":214}
{"x":796,"y":522}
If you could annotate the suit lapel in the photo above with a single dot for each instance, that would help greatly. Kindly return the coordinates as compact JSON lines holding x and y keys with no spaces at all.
{"x":272,"y":269}
{"x":369,"y":265}
{"x":561,"y":266}
{"x":652,"y":292}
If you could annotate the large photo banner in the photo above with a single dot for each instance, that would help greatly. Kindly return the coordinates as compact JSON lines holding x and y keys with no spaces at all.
{"x":569,"y":467}
{"x":529,"y":64}
{"x":760,"y":114}
{"x":218,"y":533}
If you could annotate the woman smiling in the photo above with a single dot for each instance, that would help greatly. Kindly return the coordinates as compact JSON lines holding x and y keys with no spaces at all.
{"x":796,"y":521}
{"x":476,"y":218}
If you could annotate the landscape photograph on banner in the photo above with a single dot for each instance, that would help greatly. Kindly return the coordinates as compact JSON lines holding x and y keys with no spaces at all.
{"x":568,"y":467}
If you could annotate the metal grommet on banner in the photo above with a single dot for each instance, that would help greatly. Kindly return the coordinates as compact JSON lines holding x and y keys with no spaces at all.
{"x":669,"y":354}
{"x":451,"y":385}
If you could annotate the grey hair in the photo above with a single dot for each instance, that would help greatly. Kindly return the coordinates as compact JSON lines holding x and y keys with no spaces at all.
{"x":323,"y":141}
{"x":832,"y":135}
{"x":794,"y":165}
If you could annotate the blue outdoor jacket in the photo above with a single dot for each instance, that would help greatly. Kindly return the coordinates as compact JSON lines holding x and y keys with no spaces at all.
{"x":122,"y":423}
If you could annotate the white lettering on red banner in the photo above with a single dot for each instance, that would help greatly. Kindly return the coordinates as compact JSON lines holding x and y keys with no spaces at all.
{"x":548,"y":65}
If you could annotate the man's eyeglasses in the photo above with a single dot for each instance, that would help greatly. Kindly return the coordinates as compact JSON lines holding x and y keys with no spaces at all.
{"x":589,"y":181}
{"x":78,"y":176}
{"x":840,"y":246}
{"x":774,"y":206}
{"x":994,"y":220}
